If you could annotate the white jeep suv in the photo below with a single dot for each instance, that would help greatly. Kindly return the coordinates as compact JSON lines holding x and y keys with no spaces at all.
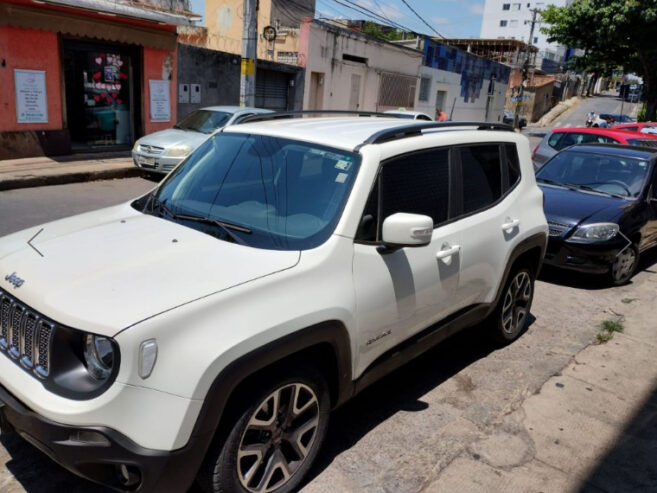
{"x":206,"y":329}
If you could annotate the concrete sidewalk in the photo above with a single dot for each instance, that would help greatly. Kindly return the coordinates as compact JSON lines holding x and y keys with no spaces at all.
{"x":40,"y":171}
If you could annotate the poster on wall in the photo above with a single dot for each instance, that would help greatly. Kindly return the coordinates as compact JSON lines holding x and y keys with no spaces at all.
{"x":160,"y":100}
{"x":31,"y":102}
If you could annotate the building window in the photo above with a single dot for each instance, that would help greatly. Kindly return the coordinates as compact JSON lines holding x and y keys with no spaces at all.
{"x":516,"y":6}
{"x":425,"y":83}
{"x":503,"y":23}
{"x":535,"y":39}
{"x":506,"y":6}
{"x":513,"y":23}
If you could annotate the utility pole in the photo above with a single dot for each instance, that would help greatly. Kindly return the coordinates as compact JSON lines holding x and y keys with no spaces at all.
{"x":249,"y":54}
{"x":525,"y":69}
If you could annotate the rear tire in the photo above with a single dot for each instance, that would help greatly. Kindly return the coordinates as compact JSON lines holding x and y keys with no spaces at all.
{"x":275,"y":438}
{"x":511,"y":316}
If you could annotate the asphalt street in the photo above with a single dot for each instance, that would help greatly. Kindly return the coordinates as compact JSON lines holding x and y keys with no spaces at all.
{"x":465,"y":410}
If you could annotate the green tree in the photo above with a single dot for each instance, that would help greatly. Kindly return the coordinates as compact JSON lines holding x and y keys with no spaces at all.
{"x":385,"y":32}
{"x":613,"y":33}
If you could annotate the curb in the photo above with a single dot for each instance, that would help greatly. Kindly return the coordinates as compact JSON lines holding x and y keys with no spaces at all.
{"x":75,"y":177}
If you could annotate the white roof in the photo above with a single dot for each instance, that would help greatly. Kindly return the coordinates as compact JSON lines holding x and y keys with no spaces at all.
{"x":339,"y":132}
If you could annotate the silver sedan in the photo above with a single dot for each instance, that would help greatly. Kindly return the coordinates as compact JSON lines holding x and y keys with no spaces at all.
{"x":164,"y":150}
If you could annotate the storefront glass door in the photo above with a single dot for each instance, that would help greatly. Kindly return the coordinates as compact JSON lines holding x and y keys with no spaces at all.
{"x":100,"y":93}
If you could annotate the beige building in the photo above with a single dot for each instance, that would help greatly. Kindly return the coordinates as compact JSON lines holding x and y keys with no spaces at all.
{"x":223,"y":19}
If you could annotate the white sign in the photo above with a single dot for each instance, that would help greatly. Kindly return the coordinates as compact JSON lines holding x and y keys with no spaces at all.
{"x":160,"y":100}
{"x":31,"y":102}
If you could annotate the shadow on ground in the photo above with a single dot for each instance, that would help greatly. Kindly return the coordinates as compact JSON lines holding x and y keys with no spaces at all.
{"x":400,"y":391}
{"x":630,"y":465}
{"x":572,"y":279}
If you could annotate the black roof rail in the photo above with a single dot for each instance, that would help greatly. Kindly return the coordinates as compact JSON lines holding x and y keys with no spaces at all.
{"x":389,"y":134}
{"x":293,"y":114}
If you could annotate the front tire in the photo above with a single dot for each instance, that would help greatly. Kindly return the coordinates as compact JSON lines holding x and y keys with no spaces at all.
{"x":624,"y":266}
{"x":275,"y":439}
{"x":511,"y":316}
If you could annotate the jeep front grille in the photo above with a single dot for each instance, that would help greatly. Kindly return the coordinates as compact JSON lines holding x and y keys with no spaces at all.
{"x":25,"y":335}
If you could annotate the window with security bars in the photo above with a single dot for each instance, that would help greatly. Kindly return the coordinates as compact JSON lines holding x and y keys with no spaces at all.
{"x":425,"y":83}
{"x":397,"y":90}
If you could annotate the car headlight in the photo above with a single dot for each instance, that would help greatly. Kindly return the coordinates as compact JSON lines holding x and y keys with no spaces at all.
{"x":99,"y":356}
{"x":178,"y":151}
{"x":595,"y":232}
{"x":136,"y":146}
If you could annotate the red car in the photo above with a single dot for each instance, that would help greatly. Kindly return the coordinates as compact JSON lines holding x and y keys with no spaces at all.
{"x":649,"y":128}
{"x":560,"y":138}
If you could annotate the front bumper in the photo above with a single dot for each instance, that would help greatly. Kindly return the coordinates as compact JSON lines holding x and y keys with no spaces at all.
{"x":593,"y":258}
{"x":103,"y":455}
{"x":155,"y":162}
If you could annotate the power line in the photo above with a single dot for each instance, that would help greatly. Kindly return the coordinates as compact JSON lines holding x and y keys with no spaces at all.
{"x":365,"y":11}
{"x":421,"y":18}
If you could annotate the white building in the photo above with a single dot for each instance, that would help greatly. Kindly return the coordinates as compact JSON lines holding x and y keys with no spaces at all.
{"x":347,"y":70}
{"x":511,"y":19}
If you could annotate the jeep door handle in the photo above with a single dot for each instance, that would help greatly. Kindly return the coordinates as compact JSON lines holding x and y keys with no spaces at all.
{"x":448,"y":252}
{"x":510,"y":224}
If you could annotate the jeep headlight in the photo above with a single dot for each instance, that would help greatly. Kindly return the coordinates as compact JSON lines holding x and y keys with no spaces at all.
{"x":591,"y":233}
{"x":99,"y":356}
{"x":136,"y":146}
{"x":178,"y":151}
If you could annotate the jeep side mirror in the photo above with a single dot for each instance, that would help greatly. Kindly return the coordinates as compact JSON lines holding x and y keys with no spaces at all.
{"x":406,"y":230}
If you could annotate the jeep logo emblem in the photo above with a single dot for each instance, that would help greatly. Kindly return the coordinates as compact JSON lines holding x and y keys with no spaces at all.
{"x":14,"y":279}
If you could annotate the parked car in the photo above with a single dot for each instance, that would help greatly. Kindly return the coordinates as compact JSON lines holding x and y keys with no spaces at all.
{"x":601,"y":207}
{"x":410,"y":115}
{"x":643,"y":127}
{"x":560,"y":138}
{"x":207,"y":328}
{"x":162,"y":151}
{"x":614,"y":117}
{"x":508,"y":119}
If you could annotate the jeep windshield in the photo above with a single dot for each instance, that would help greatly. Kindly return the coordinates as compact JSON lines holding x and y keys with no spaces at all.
{"x":256,"y":190}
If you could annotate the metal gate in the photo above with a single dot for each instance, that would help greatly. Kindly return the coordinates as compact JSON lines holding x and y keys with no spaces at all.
{"x":271,"y":89}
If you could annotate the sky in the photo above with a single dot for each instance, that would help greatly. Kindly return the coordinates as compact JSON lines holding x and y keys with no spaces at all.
{"x":450,"y":18}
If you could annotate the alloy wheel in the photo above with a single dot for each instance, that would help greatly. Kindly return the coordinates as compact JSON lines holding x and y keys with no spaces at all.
{"x":516,"y":303}
{"x":623,"y":266}
{"x":278,"y":438}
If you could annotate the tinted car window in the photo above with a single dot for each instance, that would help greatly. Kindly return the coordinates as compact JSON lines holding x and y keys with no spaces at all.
{"x":481,"y":175}
{"x":553,"y":141}
{"x":512,"y":165}
{"x":424,"y":117}
{"x":417,"y":183}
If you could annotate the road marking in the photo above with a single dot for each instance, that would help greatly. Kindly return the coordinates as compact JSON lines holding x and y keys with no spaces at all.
{"x":558,"y":124}
{"x":568,"y":125}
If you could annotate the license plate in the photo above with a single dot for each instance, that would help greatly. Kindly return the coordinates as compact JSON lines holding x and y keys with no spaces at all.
{"x":146,"y":161}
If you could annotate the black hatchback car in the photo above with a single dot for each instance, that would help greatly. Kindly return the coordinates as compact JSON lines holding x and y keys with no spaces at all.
{"x":601,"y":207}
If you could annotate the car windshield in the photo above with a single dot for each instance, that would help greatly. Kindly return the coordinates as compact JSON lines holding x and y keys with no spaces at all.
{"x":613,"y":175}
{"x":205,"y":121}
{"x":409,"y":116}
{"x":261,"y":191}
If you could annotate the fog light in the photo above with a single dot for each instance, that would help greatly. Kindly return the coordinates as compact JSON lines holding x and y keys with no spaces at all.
{"x":147,"y":358}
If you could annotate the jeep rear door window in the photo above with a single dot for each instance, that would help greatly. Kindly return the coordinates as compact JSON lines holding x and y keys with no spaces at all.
{"x":481,"y":176}
{"x":417,"y":183}
{"x":512,"y":166}
{"x":268,"y":192}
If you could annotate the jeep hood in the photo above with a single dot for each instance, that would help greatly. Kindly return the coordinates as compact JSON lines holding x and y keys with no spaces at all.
{"x":106,"y":270}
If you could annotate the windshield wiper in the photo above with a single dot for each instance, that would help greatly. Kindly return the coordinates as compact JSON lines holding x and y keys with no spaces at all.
{"x":226,"y":227}
{"x":555,"y":183}
{"x":595,"y":190}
